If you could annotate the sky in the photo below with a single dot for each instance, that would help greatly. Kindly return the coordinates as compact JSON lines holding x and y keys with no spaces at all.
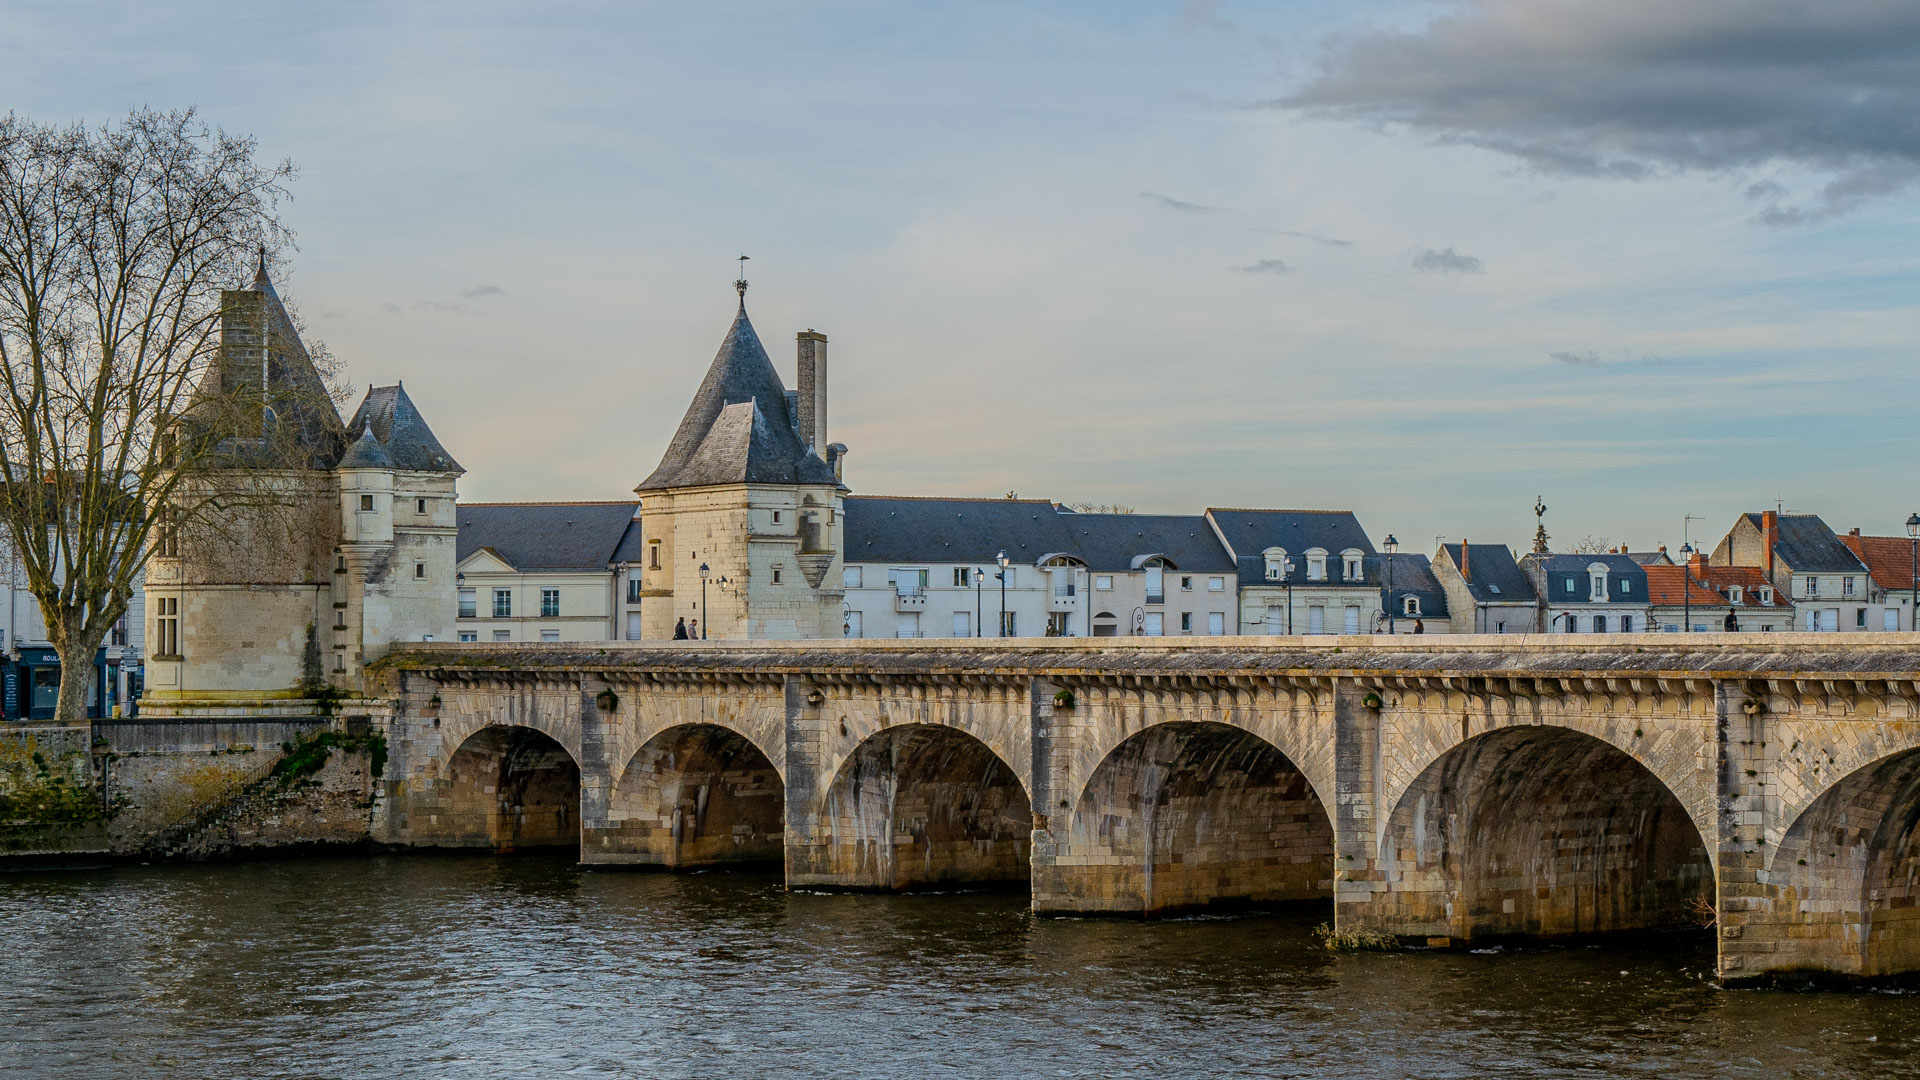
{"x":1421,"y":260}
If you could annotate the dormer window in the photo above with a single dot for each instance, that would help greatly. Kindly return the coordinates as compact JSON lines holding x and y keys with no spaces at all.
{"x":1494,"y":589}
{"x":1412,"y":605}
{"x":1276,"y":559}
{"x":1316,"y":564}
{"x":1734,"y":593}
{"x":1626,"y":587}
{"x":1766,"y":594}
{"x":1597,"y":580}
{"x":1351,"y":568}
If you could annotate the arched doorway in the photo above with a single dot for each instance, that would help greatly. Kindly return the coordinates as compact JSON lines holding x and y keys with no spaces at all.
{"x":510,"y":789}
{"x":1846,"y":877}
{"x":695,"y":795}
{"x":1542,"y":831}
{"x":1193,"y":815}
{"x":923,"y":806}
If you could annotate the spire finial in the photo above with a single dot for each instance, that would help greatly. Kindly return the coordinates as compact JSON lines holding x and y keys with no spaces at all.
{"x":740,"y":285}
{"x":260,"y":272}
{"x":1540,"y":536}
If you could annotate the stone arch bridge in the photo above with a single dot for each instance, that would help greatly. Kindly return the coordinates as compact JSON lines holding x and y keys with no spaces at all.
{"x":1451,"y":790}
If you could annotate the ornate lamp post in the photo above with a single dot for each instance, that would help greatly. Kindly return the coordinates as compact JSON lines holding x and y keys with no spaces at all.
{"x":704,"y":615}
{"x":1390,"y":546}
{"x":1686,"y":588}
{"x":979,"y":578}
{"x":1286,"y":578}
{"x":1002,"y":575}
{"x":1913,"y":537}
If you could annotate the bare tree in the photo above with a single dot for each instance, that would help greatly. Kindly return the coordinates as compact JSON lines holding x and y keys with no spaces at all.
{"x":1098,"y":508}
{"x":1593,"y":545}
{"x":115,"y":243}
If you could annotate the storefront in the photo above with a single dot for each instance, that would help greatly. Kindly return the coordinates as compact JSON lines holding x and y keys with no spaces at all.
{"x":32,"y":685}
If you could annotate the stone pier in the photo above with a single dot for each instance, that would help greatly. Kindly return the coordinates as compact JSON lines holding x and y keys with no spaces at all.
{"x":1452,"y":790}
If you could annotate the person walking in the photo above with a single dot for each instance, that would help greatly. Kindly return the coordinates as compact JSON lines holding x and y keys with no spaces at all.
{"x":1419,"y":626}
{"x":680,"y":630}
{"x":693,"y":629}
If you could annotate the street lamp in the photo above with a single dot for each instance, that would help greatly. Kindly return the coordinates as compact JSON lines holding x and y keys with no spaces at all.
{"x":1913,"y":536}
{"x":1686,"y":588}
{"x":1390,"y":545}
{"x":704,"y":614}
{"x":1002,"y":575}
{"x":1286,"y":579}
{"x":979,"y":578}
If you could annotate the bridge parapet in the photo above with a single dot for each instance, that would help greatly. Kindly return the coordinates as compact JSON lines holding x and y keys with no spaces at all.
{"x":1456,"y":788}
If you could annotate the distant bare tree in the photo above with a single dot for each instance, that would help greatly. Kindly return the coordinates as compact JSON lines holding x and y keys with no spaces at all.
{"x":115,"y":243}
{"x":1098,"y":508}
{"x":1593,"y":545}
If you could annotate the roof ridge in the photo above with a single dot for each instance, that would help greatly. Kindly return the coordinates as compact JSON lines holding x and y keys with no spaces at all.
{"x":950,"y":498}
{"x":558,"y":502}
{"x":1266,"y":510}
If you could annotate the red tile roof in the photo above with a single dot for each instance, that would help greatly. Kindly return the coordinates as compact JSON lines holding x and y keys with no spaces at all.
{"x":1751,"y":580}
{"x":1889,"y":559}
{"x":1664,"y":585}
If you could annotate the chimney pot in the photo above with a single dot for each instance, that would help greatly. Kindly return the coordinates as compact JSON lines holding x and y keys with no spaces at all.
{"x":813,"y":389}
{"x":1466,"y":561}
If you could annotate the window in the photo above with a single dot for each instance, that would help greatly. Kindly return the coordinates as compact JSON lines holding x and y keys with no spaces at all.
{"x":167,"y":626}
{"x":1890,"y":619}
{"x":420,"y":506}
{"x":1351,"y":571}
{"x":366,"y":502}
{"x":1316,"y":620}
{"x":1626,"y":624}
{"x":962,"y":577}
{"x":1155,"y":624}
{"x":1186,"y":622}
{"x":653,"y":555}
{"x":467,"y":600}
{"x":1276,"y":563}
{"x":1008,"y":623}
{"x":1103,"y":581}
{"x":1316,"y":565}
{"x":419,"y":570}
{"x":633,"y":592}
{"x":1626,"y":587}
{"x":502,"y":604}
{"x":1500,"y":627}
{"x":1570,"y":585}
{"x":1766,"y":594}
{"x":469,"y":635}
{"x":1734,"y":592}
{"x":1156,"y":584}
{"x":1216,"y":623}
{"x":1216,"y":584}
{"x":962,"y":624}
{"x":776,"y":575}
{"x":119,"y":632}
{"x":1276,"y":622}
{"x":850,"y":577}
{"x":549,"y":635}
{"x":1352,"y":619}
{"x":776,"y":517}
{"x":1410,"y":605}
{"x":1495,"y":590}
{"x":1846,"y":586}
{"x":913,"y":582}
{"x":851,"y":627}
{"x":1186,"y":584}
{"x":1597,"y":584}
{"x":1859,"y":617}
{"x":1599,"y":624}
{"x":169,"y":546}
{"x":1813,"y":586}
{"x":1673,"y":628}
{"x":549,"y":603}
{"x":503,"y":635}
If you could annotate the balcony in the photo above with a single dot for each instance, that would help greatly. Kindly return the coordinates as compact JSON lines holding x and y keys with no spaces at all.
{"x":909,"y":598}
{"x":1156,"y":598}
{"x":1063,"y":600}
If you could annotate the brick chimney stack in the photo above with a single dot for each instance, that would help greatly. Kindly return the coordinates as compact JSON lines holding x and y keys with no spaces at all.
{"x":1466,"y":561}
{"x":813,"y":390}
{"x":1769,"y":535}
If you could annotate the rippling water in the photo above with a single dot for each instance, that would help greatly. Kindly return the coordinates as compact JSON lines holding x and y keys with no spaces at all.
{"x":474,"y":966}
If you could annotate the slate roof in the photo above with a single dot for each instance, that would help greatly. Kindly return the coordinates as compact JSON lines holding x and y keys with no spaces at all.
{"x":1496,"y":577}
{"x":910,"y":530}
{"x":1554,"y":570}
{"x":629,"y":549}
{"x":366,"y":453}
{"x":1412,"y":576}
{"x":1651,"y":558}
{"x":738,"y":428}
{"x":292,"y":417}
{"x":1248,"y":533}
{"x":1118,"y":543}
{"x":545,"y":536}
{"x":1889,"y":559}
{"x":1806,"y":545}
{"x":389,"y":414}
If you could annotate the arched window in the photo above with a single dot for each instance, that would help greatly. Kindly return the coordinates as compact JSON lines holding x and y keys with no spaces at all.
{"x":1352,"y":565}
{"x":1276,"y":560}
{"x":1411,"y":604}
{"x":1597,"y":579}
{"x":1316,"y":564}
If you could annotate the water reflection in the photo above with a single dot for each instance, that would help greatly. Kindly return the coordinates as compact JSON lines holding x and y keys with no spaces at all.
{"x":475,"y":966}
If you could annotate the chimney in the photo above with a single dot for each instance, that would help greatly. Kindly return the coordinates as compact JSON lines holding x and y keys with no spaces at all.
{"x":813,"y":388}
{"x":1466,"y":561}
{"x":1769,"y":535}
{"x":1698,"y":562}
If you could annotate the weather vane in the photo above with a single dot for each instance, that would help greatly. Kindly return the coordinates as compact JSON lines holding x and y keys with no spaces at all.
{"x":740,"y":285}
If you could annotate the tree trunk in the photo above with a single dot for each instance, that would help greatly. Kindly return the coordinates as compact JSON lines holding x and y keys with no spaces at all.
{"x":76,"y":649}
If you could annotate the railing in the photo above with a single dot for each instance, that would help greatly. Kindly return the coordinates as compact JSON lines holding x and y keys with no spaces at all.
{"x":1063,"y":590}
{"x":1156,"y":598}
{"x":469,"y":611}
{"x":909,"y":590}
{"x":909,"y":633}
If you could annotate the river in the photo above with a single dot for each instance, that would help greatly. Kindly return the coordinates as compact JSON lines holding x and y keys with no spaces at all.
{"x":474,"y":966}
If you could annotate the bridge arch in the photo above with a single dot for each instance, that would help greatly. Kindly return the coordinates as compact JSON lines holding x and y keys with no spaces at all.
{"x":1844,"y":882}
{"x":1541,"y":830}
{"x":507,"y":787}
{"x":694,"y":794}
{"x":920,"y":805}
{"x":1190,"y":814}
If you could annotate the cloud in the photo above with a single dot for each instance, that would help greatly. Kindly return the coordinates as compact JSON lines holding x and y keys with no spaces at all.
{"x":1168,"y":202}
{"x":392,"y":309}
{"x":1203,"y":15}
{"x":478,"y":291}
{"x":1598,"y":88}
{"x":1577,"y":359}
{"x":1265,"y":266}
{"x":1330,"y":241}
{"x":1447,"y":261}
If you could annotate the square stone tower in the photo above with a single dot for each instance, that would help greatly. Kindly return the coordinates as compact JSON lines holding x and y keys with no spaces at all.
{"x":742,"y":492}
